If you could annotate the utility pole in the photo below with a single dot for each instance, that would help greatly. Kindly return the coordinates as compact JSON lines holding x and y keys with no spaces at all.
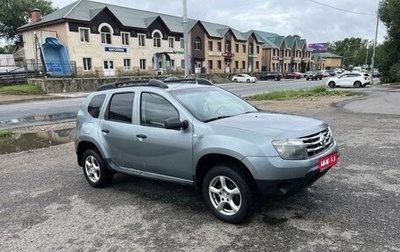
{"x":185,"y":39}
{"x":373,"y":51}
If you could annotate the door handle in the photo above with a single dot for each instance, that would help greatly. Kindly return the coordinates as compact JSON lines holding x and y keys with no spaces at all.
{"x":141,"y":136}
{"x":105,"y":131}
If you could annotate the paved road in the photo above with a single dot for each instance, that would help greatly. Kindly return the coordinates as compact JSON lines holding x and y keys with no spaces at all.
{"x":48,"y":110}
{"x":46,"y":204}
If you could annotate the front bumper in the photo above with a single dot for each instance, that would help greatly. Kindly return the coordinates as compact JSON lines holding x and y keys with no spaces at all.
{"x":275,"y":176}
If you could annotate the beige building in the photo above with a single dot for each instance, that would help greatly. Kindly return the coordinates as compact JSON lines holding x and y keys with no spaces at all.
{"x":88,"y":38}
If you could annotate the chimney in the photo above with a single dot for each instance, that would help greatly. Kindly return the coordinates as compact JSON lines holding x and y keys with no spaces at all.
{"x":36,"y":15}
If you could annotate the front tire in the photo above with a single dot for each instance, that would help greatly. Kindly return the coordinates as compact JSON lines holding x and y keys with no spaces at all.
{"x":94,"y":169}
{"x":227,"y":193}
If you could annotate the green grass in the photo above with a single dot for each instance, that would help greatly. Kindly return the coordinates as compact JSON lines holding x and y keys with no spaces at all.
{"x":296,"y":94}
{"x":22,"y":89}
{"x":5,"y":133}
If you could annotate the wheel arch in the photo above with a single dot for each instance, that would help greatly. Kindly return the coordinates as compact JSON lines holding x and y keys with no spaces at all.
{"x":82,"y":147}
{"x":208,"y":161}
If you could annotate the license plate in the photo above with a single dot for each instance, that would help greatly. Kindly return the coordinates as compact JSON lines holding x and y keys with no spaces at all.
{"x":328,"y":161}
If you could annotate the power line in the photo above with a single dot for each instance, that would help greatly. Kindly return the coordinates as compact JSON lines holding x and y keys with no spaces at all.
{"x":339,"y":9}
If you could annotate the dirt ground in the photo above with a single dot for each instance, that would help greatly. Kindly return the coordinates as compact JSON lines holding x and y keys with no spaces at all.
{"x":303,"y":106}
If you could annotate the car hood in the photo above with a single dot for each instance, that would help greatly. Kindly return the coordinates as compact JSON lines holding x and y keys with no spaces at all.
{"x":273,"y":125}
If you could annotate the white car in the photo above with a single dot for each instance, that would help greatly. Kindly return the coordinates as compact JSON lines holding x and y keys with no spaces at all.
{"x":244,"y":78}
{"x":349,"y":79}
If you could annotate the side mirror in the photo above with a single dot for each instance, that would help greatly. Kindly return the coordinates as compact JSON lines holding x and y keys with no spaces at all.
{"x":175,"y":123}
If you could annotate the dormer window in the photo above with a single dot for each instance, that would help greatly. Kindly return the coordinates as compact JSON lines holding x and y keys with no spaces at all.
{"x":157,"y":39}
{"x":197,"y":43}
{"x":105,"y":35}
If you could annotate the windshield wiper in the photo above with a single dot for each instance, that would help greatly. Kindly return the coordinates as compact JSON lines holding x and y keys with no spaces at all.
{"x":216,"y":118}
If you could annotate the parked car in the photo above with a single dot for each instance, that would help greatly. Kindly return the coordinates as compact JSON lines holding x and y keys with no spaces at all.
{"x":331,"y":72}
{"x":293,"y":75}
{"x":376,"y":73}
{"x":350,"y":79}
{"x":271,"y":76}
{"x":244,"y":78}
{"x":314,"y":75}
{"x":198,"y":134}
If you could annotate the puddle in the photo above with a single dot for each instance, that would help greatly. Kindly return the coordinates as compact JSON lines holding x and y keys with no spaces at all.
{"x":40,"y":118}
{"x":32,"y":141}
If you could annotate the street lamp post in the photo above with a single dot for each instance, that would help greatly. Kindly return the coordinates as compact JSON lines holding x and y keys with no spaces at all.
{"x":185,"y":39}
{"x":373,"y":51}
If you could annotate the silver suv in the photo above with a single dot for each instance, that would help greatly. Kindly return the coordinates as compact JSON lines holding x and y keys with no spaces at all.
{"x":192,"y":132}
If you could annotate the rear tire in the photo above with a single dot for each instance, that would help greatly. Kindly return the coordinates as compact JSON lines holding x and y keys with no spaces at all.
{"x":235,"y":80}
{"x":357,"y":84}
{"x":227,"y":193}
{"x":248,"y":81}
{"x":94,"y":169}
{"x":332,"y":84}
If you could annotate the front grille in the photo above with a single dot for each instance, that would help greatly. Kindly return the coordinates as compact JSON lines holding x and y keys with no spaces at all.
{"x":318,"y":142}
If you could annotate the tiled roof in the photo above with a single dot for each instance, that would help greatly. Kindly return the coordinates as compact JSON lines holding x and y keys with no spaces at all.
{"x":325,"y":55}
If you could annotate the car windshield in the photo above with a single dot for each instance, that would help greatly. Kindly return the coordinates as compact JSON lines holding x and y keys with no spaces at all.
{"x":212,"y":103}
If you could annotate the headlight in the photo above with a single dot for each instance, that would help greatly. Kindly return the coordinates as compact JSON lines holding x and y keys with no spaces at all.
{"x":292,"y":149}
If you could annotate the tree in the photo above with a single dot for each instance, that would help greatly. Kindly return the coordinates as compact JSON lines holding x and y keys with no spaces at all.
{"x":15,"y":13}
{"x":7,"y":49}
{"x":355,"y":51}
{"x":389,"y":58}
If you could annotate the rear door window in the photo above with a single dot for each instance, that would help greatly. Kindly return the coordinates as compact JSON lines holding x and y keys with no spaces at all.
{"x":120,"y":108}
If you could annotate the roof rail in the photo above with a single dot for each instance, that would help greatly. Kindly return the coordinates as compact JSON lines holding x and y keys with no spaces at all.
{"x":151,"y":82}
{"x":194,"y":81}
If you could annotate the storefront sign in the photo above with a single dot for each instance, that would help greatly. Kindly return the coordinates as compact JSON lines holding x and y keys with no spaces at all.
{"x":115,"y":49}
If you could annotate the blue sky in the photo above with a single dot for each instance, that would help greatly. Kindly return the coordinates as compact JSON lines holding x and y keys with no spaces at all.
{"x":315,"y":20}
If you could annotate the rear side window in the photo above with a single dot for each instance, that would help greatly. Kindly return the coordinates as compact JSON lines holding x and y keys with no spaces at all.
{"x":120,"y":108}
{"x":95,"y":105}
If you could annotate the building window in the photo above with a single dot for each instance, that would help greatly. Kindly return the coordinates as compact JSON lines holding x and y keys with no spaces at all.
{"x":219,"y":64}
{"x":173,"y":64}
{"x":84,"y":34}
{"x":157,"y":39}
{"x":258,"y":49}
{"x":244,"y":48}
{"x":171,"y":42}
{"x":105,"y":35}
{"x":125,"y":38}
{"x":257,"y":65}
{"x":197,"y":43}
{"x":142,"y":39}
{"x":273,"y":52}
{"x":87,"y":64}
{"x":243,"y":64}
{"x":219,"y":46}
{"x":127,"y":64}
{"x":182,"y":43}
{"x":210,"y":45}
{"x":183,"y":64}
{"x":143,"y":64}
{"x":210,"y":64}
{"x":237,"y":48}
{"x":251,"y":49}
{"x":228,"y":46}
{"x":236,"y":64}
